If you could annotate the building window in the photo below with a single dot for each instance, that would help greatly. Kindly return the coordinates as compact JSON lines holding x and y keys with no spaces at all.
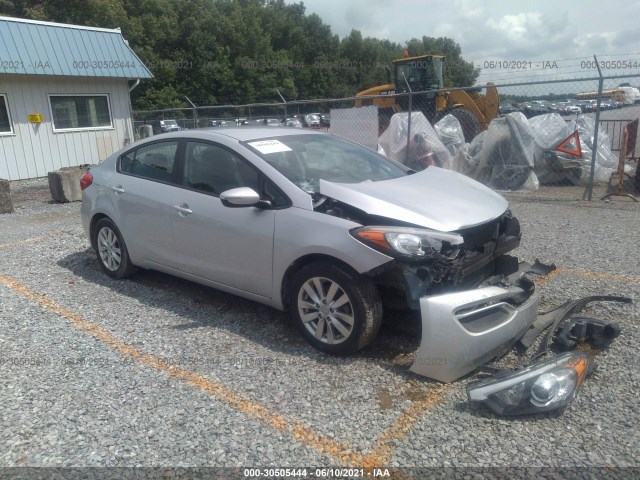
{"x":80,"y":112}
{"x":6,"y":128}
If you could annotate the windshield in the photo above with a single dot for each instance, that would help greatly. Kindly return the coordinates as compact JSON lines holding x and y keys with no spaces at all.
{"x":422,"y":74}
{"x":306,"y":159}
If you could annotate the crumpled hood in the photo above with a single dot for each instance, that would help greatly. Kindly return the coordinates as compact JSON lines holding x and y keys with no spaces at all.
{"x":434,"y":198}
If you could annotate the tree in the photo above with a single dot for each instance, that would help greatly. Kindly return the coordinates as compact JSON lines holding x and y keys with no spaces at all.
{"x":240,"y":51}
{"x":458,"y":72}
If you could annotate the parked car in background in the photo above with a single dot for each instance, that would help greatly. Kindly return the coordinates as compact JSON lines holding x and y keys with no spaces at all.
{"x":587,"y":106}
{"x":167,"y":126}
{"x":222,"y":123}
{"x":252,"y":122}
{"x":272,"y":122}
{"x":323,"y":228}
{"x":292,"y":122}
{"x":311,"y":120}
{"x":609,"y":104}
{"x":325,"y":120}
{"x":507,"y":108}
{"x":531,"y":109}
{"x":156,"y":127}
{"x":567,"y":108}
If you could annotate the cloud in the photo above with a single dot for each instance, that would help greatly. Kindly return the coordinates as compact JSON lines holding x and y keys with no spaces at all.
{"x":469,"y":8}
{"x":516,"y":27}
{"x":547,"y":30}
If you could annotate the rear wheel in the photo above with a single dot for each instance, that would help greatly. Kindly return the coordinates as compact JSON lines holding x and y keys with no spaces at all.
{"x":336,"y":310}
{"x":112,"y":251}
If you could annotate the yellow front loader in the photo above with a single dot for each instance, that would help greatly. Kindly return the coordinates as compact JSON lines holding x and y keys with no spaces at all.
{"x":424,"y":73}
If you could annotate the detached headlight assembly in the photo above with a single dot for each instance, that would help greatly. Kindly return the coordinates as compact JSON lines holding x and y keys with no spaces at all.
{"x":410,"y":243}
{"x":543,"y":386}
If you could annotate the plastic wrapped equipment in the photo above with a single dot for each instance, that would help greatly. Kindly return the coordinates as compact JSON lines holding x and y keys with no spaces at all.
{"x":606,"y":161}
{"x":450,"y":133}
{"x":551,"y":166}
{"x":503,"y":156}
{"x":425,"y":146}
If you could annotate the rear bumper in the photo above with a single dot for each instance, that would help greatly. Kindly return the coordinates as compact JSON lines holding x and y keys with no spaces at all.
{"x":463,"y":330}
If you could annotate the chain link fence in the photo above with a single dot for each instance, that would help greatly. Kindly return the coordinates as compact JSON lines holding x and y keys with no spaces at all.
{"x":511,"y":136}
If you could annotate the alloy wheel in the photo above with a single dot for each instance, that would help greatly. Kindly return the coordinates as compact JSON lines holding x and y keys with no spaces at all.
{"x":109,"y":249}
{"x":326,"y":310}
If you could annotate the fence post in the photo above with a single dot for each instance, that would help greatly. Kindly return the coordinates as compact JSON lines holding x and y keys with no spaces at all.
{"x":409,"y":117}
{"x":594,"y":151}
{"x":285,"y":105}
{"x":195,"y":112}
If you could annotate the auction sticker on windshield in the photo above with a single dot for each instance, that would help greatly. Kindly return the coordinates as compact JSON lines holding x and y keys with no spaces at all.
{"x":270,"y":146}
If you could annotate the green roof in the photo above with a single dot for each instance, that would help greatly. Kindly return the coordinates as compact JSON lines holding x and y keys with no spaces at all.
{"x":31,"y":47}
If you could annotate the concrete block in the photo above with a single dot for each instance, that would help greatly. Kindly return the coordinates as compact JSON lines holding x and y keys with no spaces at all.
{"x":64,"y":184}
{"x":6,"y":204}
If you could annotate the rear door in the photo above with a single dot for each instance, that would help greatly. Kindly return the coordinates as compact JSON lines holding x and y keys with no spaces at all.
{"x":141,"y":191}
{"x":231,"y":246}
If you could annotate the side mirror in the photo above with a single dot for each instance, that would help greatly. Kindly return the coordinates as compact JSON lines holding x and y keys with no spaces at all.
{"x":243,"y":197}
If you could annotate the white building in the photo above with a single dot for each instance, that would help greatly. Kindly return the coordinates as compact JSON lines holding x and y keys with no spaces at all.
{"x":64,"y":95}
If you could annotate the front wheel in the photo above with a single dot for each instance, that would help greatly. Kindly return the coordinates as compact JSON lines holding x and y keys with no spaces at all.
{"x":112,"y":251}
{"x":337,"y":311}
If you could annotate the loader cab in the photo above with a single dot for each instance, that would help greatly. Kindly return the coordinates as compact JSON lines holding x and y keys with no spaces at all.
{"x":422,"y":73}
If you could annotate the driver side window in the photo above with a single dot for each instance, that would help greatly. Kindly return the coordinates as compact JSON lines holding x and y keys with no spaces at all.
{"x":212,"y":169}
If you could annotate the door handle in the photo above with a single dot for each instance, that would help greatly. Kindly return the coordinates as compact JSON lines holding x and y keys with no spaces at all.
{"x":183,"y":210}
{"x":118,"y":189}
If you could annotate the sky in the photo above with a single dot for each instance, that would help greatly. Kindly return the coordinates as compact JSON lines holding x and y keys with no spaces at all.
{"x":515,"y":33}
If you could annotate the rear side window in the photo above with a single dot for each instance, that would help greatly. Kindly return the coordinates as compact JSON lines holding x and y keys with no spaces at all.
{"x":154,"y":162}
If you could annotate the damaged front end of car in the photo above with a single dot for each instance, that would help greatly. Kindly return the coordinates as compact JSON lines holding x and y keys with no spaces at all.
{"x":475,"y":301}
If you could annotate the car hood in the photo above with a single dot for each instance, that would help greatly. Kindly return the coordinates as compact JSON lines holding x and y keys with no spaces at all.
{"x":434,"y":198}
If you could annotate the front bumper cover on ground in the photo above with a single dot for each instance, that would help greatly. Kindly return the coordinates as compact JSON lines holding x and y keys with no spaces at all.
{"x":463,"y":330}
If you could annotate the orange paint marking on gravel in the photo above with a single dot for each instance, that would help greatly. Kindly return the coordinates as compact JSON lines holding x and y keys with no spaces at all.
{"x":382,"y":451}
{"x":548,"y":278}
{"x":605,"y":276}
{"x":27,"y":241}
{"x":297,"y":430}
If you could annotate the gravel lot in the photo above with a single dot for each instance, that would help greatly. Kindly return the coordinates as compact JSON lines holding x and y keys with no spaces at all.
{"x":159,"y":372}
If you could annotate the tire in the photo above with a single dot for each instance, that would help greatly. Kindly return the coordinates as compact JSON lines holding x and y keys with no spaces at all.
{"x":111,"y":250}
{"x":468,"y":121}
{"x":354,"y":323}
{"x":509,"y":168}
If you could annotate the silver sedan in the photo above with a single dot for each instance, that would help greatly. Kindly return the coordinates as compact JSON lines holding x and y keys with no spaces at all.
{"x":318,"y":226}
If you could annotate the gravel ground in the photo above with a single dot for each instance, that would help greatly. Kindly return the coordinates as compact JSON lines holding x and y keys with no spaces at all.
{"x":158,"y":372}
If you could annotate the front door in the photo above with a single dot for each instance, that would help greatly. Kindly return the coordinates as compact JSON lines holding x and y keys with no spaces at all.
{"x":231,"y":246}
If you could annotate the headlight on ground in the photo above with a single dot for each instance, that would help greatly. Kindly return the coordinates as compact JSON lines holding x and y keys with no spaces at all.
{"x":543,"y":386}
{"x":410,"y":243}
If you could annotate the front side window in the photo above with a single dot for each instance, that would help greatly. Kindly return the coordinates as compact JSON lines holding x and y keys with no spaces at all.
{"x":212,"y":169}
{"x":77,"y":112}
{"x":156,"y":161}
{"x":5,"y":118}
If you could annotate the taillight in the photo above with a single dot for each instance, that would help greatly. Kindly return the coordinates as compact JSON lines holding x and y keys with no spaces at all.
{"x":86,"y":180}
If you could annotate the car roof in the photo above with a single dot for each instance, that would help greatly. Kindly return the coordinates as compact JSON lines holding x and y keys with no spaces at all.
{"x":238,"y":133}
